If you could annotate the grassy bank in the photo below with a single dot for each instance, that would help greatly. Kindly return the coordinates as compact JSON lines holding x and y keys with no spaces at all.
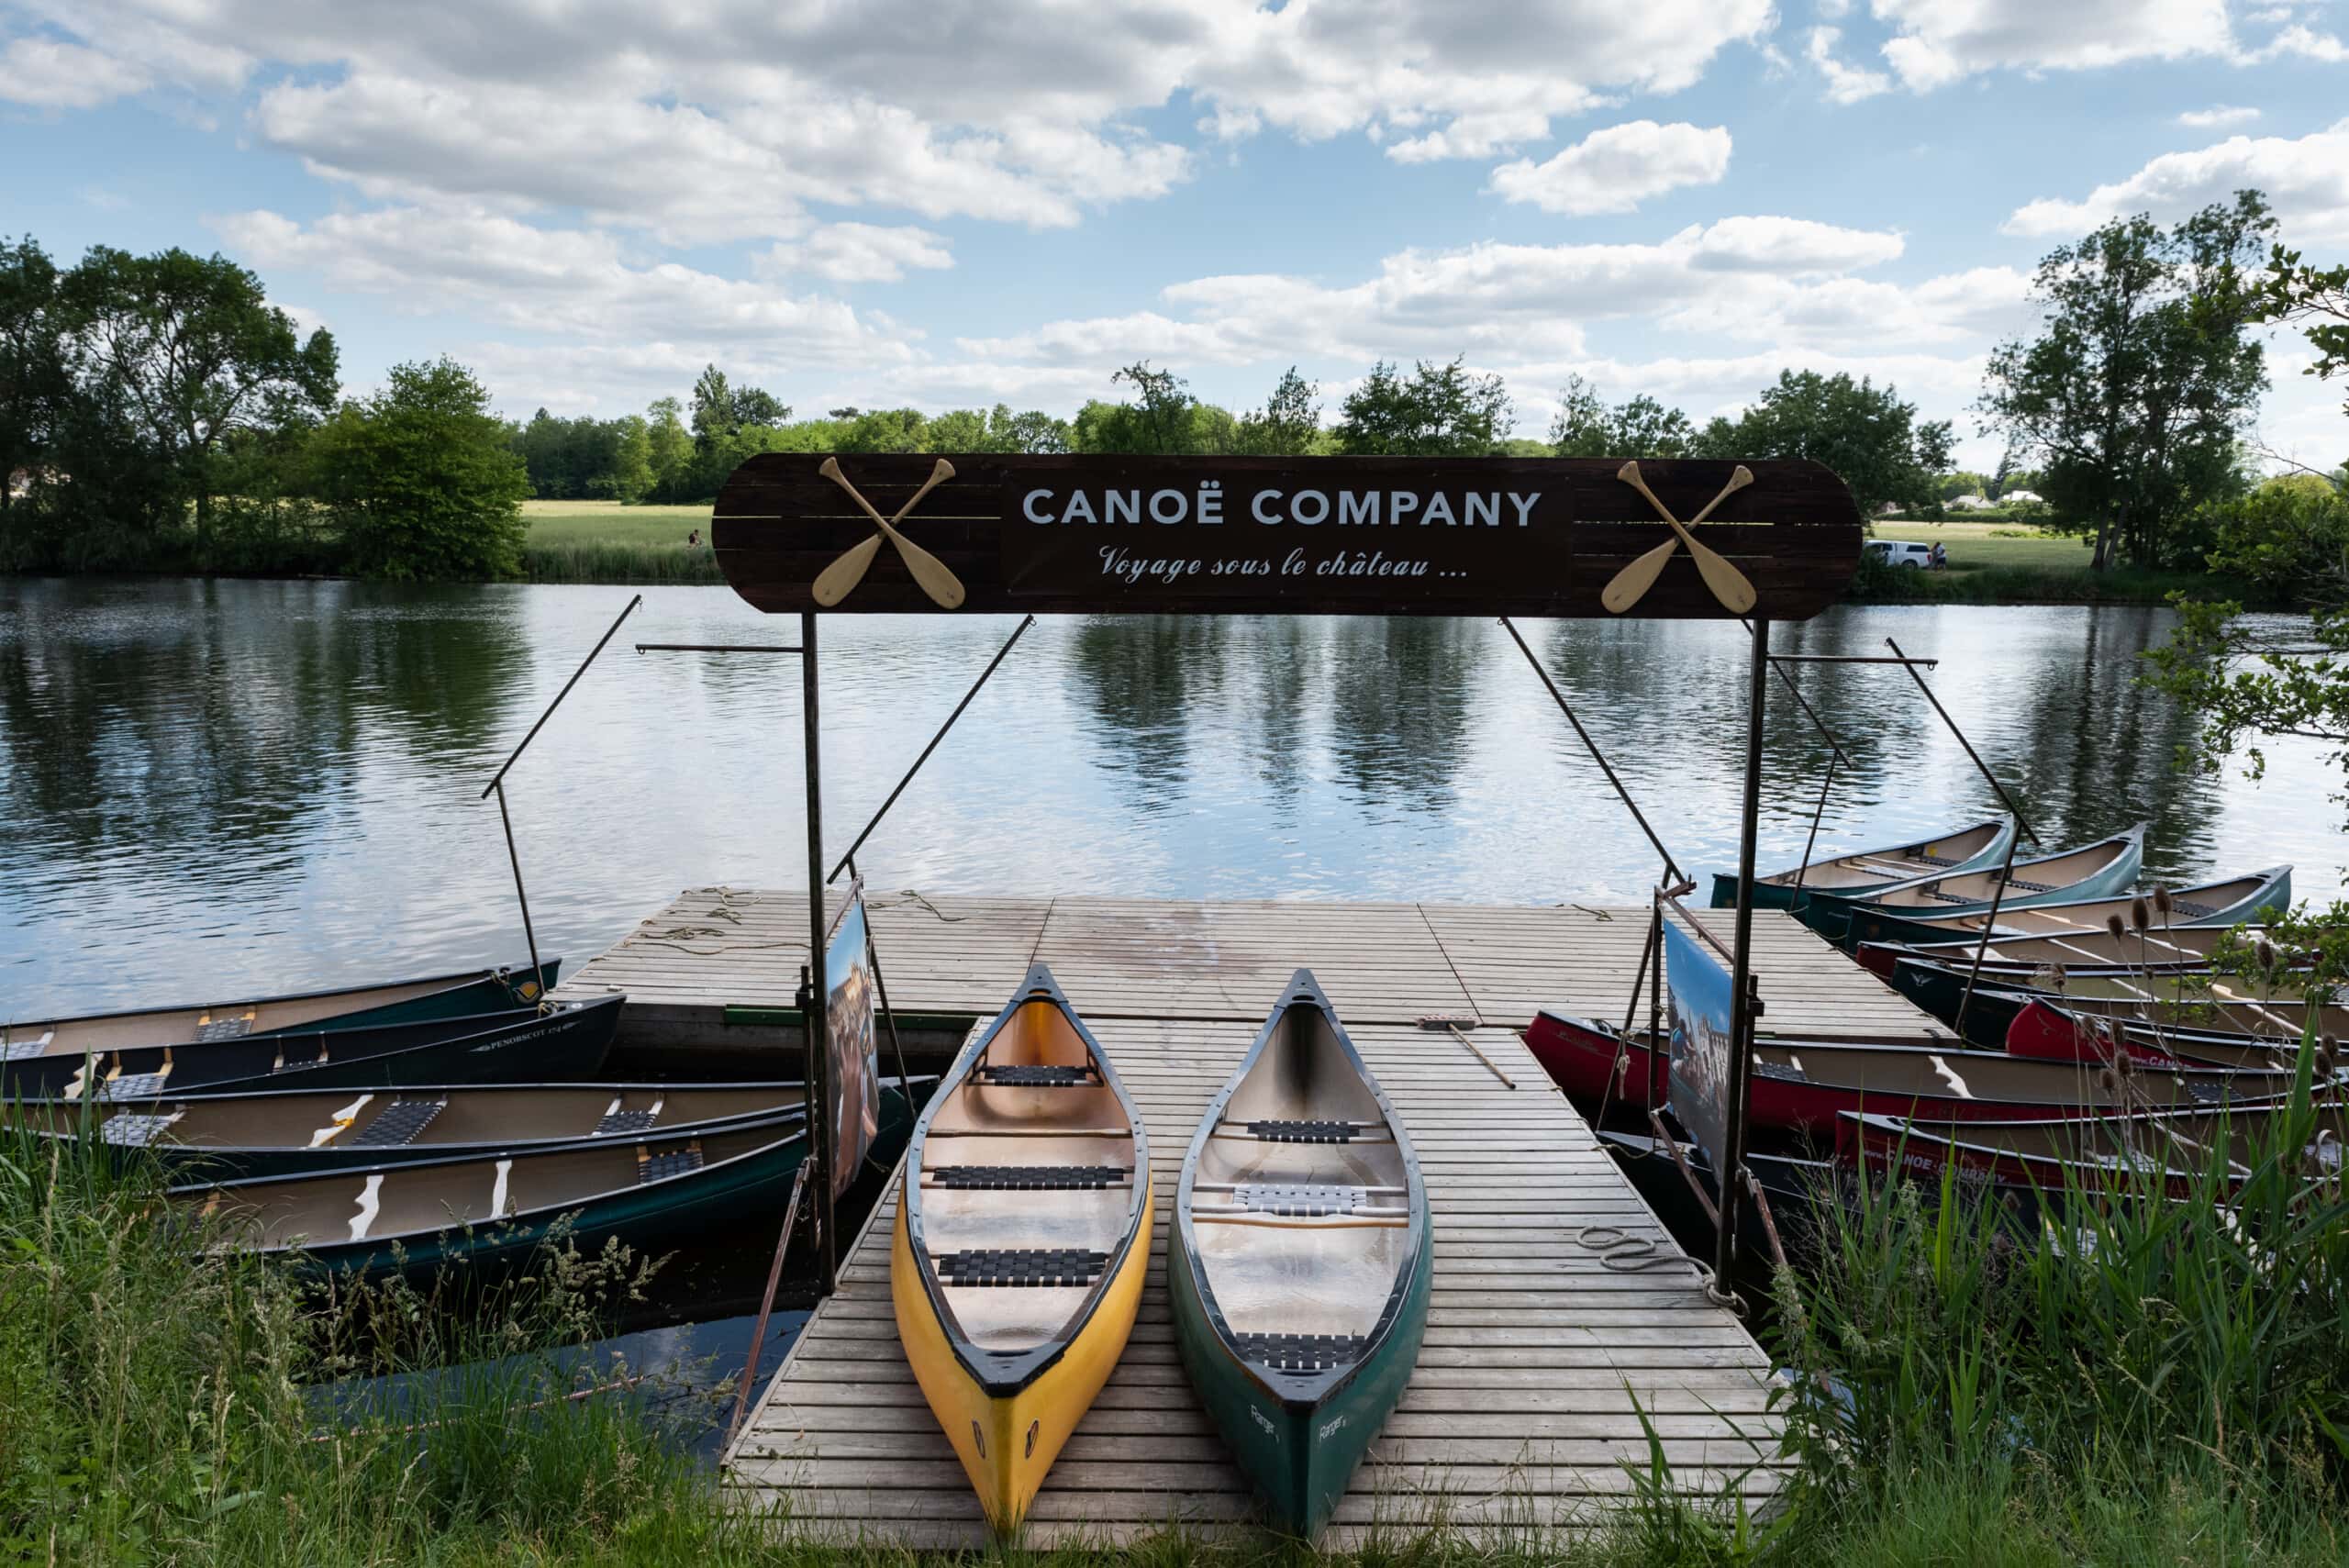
{"x":2156,"y":1383}
{"x":603,"y":541}
{"x":2001,"y":562}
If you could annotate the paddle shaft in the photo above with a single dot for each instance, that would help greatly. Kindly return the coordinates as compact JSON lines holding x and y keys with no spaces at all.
{"x":1727,"y":583}
{"x":936,"y":579}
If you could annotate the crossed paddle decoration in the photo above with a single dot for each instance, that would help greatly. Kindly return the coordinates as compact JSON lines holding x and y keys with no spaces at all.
{"x":836,"y":581}
{"x":1727,"y":583}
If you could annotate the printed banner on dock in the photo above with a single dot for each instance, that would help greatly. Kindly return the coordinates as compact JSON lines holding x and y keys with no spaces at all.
{"x":1698,"y":992}
{"x":855,"y":1069}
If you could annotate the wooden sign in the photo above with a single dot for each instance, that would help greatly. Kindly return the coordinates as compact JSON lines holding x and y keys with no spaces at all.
{"x":1299,"y":536}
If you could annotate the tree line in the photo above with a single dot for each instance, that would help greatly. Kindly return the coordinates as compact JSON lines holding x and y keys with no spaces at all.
{"x":158,"y":413}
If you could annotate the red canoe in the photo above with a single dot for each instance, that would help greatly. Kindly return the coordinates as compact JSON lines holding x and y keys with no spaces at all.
{"x":1803,"y":1087}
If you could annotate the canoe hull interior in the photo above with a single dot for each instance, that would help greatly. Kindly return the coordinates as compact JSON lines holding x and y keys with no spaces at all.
{"x":1021,"y":1242}
{"x":1008,"y":1441}
{"x":1300,"y":1456}
{"x":1299,"y":1274}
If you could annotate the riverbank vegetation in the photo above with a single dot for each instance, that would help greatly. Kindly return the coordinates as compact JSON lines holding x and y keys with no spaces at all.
{"x":2146,"y":1381}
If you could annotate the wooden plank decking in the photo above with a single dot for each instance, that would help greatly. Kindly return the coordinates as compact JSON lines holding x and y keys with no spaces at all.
{"x":1562,"y":1310}
{"x":716,"y":947}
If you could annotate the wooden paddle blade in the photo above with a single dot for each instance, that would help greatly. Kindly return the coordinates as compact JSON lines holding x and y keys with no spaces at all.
{"x":1727,"y":583}
{"x":936,"y":578}
{"x":836,"y":581}
{"x":1631,"y":583}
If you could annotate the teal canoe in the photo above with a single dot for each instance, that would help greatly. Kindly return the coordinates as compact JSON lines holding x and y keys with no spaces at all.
{"x":490,"y":1212}
{"x":1299,"y":1267}
{"x":424,"y":1000}
{"x":1864,"y":871}
{"x":1896,"y":914}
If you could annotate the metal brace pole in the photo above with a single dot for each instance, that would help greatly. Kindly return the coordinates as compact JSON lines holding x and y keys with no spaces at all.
{"x":497,"y":786}
{"x":1671,"y":867}
{"x":1989,"y":925}
{"x":817,"y":1016}
{"x":849,"y":857}
{"x":2020,"y":822}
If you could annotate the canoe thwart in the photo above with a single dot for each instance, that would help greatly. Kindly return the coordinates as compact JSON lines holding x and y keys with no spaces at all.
{"x":1026,"y":1178}
{"x":1033,"y":1078}
{"x":1021,"y":1266}
{"x":1300,"y":1352}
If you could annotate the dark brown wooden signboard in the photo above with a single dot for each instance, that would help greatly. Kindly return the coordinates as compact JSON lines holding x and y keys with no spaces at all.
{"x":1309,"y":536}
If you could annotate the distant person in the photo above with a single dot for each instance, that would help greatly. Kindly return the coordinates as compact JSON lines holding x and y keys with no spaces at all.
{"x":1940,"y":556}
{"x":692,"y":540}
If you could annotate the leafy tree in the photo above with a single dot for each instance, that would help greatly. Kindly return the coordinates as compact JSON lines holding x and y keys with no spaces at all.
{"x":1289,"y":424}
{"x":631,"y":458}
{"x":1642,"y":428}
{"x":2135,"y":392}
{"x":959,"y":430}
{"x":754,"y":406}
{"x":176,"y":353}
{"x":2212,"y":665}
{"x":2289,"y":537}
{"x":1437,"y":411}
{"x":422,"y":479}
{"x":33,"y":382}
{"x":1863,"y":432}
{"x":886,"y":430}
{"x":669,"y":450}
{"x":2295,"y":291}
{"x":713,"y":408}
{"x":1964,"y":481}
{"x":1033,"y":431}
{"x":1163,"y":419}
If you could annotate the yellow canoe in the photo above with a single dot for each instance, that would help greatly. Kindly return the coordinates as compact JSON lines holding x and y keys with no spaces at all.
{"x":1022,"y":1237}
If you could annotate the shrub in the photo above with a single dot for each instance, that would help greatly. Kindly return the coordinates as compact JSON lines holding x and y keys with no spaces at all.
{"x":2289,"y":536}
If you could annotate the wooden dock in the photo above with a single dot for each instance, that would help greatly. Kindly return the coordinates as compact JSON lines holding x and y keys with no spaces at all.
{"x":1562,"y":1313}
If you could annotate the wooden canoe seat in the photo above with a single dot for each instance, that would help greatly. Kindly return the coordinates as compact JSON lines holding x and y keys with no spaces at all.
{"x":235,"y":1027}
{"x":1297,"y":1199}
{"x":1300,"y":1352}
{"x":1021,"y":1266}
{"x":627,"y":1121}
{"x":1036,"y":1077}
{"x":399,"y":1124}
{"x":1026,"y":1178}
{"x":135,"y":1129}
{"x":134,"y":1086}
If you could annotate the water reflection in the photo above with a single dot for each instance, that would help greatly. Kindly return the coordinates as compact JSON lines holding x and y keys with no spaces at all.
{"x":221,"y":785}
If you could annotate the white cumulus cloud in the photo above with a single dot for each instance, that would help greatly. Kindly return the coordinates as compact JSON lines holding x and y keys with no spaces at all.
{"x":1616,"y":169}
{"x":2305,"y":180}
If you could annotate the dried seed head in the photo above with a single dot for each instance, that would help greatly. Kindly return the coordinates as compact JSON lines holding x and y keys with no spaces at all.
{"x":2265,"y":952}
{"x":2123,"y":1061}
{"x":2113,"y":923}
{"x":2161,"y":901}
{"x":2109,"y":1081}
{"x":2138,"y":918}
{"x":2048,"y":977}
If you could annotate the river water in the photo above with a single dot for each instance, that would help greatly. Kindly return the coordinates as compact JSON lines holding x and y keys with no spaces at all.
{"x":212,"y":787}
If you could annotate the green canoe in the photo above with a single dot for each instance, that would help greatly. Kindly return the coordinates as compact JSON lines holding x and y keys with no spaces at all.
{"x":1864,"y":871}
{"x":490,"y":1212}
{"x":1938,"y":908}
{"x":1300,"y":1261}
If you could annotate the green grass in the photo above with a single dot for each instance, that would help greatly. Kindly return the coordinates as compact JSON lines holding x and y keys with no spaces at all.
{"x":603,"y":541}
{"x":1994,"y":562}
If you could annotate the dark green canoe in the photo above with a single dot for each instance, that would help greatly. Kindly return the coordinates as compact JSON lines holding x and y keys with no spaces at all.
{"x":422,"y":1000}
{"x":302,"y":1132}
{"x":1301,"y":1258}
{"x":548,"y":1043}
{"x":490,"y":1212}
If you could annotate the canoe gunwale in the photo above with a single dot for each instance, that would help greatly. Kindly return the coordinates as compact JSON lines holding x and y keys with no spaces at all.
{"x":441,"y":984}
{"x":2125,"y":849}
{"x":2273,"y":882}
{"x":2001,"y":824}
{"x":795,"y":1122}
{"x":998,"y":1375}
{"x":1301,"y":1394}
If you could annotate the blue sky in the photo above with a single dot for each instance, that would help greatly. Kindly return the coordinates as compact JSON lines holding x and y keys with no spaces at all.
{"x":941,"y":202}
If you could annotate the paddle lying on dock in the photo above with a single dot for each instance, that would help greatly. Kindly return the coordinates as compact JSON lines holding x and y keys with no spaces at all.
{"x":1299,"y":1267}
{"x":1021,"y":1240}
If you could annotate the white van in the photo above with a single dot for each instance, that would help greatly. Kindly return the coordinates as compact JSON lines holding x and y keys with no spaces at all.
{"x":1899,"y":553}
